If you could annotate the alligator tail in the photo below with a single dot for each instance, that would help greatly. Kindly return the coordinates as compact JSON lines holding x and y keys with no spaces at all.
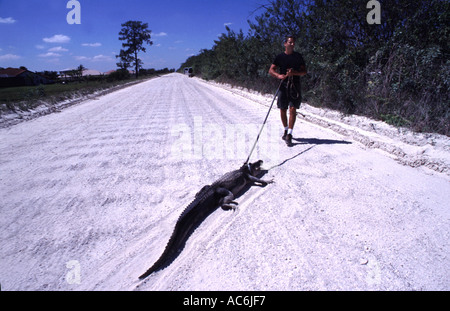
{"x":189,"y":220}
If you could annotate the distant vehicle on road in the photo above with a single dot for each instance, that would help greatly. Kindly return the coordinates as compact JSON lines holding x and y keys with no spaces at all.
{"x":189,"y":71}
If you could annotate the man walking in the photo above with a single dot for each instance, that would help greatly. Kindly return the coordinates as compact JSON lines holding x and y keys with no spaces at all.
{"x":291,"y":67}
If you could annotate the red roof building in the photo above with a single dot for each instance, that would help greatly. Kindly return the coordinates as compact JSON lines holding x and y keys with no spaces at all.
{"x":11,"y":77}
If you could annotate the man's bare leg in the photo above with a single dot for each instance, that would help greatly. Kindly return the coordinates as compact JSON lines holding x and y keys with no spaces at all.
{"x":288,"y":133}
{"x":284,"y":119}
{"x":292,"y":117}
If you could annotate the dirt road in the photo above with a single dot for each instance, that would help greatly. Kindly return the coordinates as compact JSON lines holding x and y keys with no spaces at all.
{"x":90,"y":195}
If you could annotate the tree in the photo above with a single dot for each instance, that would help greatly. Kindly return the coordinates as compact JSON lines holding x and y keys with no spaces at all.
{"x":79,"y":71}
{"x":125,"y":60}
{"x":135,"y":35}
{"x":397,"y":71}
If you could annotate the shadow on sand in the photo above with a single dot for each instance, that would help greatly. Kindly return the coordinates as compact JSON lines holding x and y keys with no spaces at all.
{"x":316,"y":141}
{"x":310,"y":141}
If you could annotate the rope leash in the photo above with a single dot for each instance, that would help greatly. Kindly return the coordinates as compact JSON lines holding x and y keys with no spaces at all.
{"x":292,"y":89}
{"x":264,"y":123}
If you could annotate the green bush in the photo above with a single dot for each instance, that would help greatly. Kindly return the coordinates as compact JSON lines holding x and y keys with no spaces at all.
{"x":118,"y":75}
{"x":398,"y":71}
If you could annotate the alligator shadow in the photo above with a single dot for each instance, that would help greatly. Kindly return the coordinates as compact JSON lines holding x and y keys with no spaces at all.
{"x":191,"y":224}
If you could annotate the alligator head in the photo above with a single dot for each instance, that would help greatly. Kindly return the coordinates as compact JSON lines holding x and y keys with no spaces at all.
{"x":253,"y":168}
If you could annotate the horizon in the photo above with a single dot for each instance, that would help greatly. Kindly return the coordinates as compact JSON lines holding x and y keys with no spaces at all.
{"x":38,"y":36}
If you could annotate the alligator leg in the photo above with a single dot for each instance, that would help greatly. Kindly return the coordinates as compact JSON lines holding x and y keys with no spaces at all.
{"x":260,"y":181}
{"x":226,"y":202}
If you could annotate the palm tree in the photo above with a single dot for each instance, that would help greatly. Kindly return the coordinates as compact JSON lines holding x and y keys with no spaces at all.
{"x":80,"y":70}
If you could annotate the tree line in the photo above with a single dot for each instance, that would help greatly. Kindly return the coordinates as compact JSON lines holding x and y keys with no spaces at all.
{"x":397,"y":71}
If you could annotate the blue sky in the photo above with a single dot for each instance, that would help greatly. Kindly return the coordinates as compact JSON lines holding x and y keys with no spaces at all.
{"x":35,"y":33}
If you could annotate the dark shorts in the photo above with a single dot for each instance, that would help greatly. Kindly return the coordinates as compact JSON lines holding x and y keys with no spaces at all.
{"x":285,"y":101}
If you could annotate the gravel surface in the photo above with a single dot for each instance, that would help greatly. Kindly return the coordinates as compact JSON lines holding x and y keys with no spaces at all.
{"x":90,"y":196}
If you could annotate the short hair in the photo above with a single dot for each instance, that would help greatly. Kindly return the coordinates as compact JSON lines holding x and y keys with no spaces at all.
{"x":289,"y":37}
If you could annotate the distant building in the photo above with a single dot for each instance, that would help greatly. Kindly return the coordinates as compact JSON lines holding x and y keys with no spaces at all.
{"x":109,"y":72}
{"x":91,"y":72}
{"x":11,"y":77}
{"x":74,"y":74}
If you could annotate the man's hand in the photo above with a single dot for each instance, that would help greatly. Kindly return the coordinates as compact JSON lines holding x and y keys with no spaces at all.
{"x":291,"y":72}
{"x":273,"y":72}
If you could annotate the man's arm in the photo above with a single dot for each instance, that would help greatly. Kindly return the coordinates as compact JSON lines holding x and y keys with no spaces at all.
{"x":301,"y":73}
{"x":273,"y":72}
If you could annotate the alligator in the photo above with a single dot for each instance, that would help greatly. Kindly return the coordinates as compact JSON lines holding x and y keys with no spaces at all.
{"x":221,"y":193}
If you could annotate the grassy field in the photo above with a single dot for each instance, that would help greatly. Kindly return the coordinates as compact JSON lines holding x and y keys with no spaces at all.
{"x":28,"y":97}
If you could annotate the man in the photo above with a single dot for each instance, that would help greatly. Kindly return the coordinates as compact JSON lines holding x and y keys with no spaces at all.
{"x":291,"y":67}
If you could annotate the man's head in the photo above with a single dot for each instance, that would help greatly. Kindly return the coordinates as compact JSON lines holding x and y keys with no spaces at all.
{"x":289,"y":44}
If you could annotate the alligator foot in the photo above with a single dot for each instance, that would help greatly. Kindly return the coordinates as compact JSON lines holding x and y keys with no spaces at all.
{"x":230,"y":205}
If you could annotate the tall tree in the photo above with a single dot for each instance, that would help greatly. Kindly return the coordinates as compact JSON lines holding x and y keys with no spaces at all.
{"x":79,"y":71}
{"x":135,"y":35}
{"x":125,"y":60}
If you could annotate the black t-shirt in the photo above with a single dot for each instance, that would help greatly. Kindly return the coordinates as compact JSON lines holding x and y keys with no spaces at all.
{"x":284,"y":62}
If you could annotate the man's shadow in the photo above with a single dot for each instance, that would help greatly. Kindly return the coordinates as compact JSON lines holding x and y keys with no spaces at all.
{"x":317,"y":141}
{"x":310,"y":141}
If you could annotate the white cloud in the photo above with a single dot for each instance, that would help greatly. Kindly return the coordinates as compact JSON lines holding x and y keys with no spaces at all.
{"x":57,"y":39}
{"x":9,"y":57}
{"x":81,"y":58}
{"x":39,"y":47}
{"x":102,"y":58}
{"x":50,"y":54}
{"x":228,"y":24}
{"x":8,"y":20}
{"x":161,"y":34}
{"x":58,"y":49}
{"x":97,"y":44}
{"x":97,"y":58}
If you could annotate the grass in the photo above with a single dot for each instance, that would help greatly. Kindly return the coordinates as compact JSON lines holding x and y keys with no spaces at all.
{"x":29,"y":97}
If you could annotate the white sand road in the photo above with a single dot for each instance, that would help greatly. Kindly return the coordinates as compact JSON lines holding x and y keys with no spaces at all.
{"x":90,"y":196}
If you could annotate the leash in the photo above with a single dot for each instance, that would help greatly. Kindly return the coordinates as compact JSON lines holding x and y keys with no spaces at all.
{"x":292,"y":89}
{"x":262,"y":127}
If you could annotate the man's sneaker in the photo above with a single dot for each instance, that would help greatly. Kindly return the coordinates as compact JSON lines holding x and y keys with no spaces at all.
{"x":289,"y":140}
{"x":285,"y":135}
